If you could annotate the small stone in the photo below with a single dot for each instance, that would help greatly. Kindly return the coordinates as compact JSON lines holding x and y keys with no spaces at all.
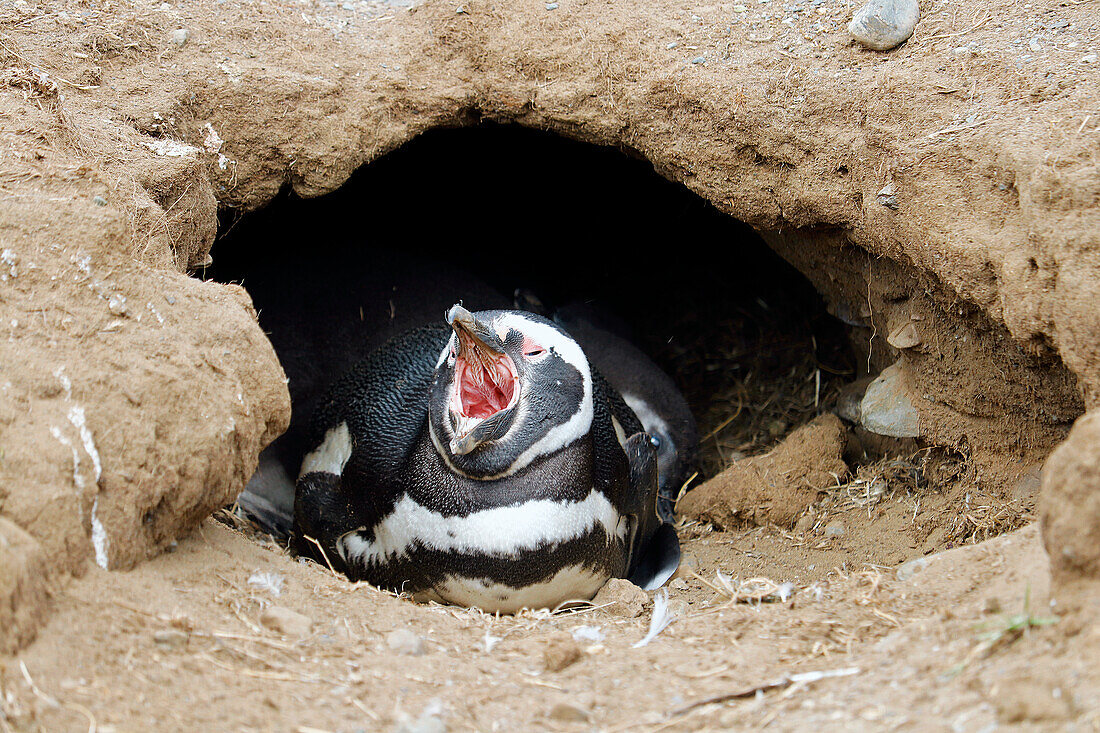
{"x":179,"y":37}
{"x":888,"y":196}
{"x":621,"y":598}
{"x":286,"y":621}
{"x":678,"y":584}
{"x":170,"y":638}
{"x":905,"y":336}
{"x":551,"y":6}
{"x":567,"y":713}
{"x":886,"y":408}
{"x":885,"y":24}
{"x":99,"y":201}
{"x":671,"y":45}
{"x":1089,"y":58}
{"x":699,"y":60}
{"x":117,"y":305}
{"x":560,"y":653}
{"x":740,"y":9}
{"x":908,"y":569}
{"x":804,"y":524}
{"x":992,"y":605}
{"x":403,"y":641}
{"x":835,"y":529}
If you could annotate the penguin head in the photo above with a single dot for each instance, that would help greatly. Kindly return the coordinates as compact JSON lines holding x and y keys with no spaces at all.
{"x":509,"y":387}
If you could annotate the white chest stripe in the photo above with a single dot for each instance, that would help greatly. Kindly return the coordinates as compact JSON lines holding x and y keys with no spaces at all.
{"x":502,"y":531}
{"x":332,"y":455}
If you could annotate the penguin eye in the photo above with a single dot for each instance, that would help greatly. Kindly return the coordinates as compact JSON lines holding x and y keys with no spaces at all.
{"x":531,"y":348}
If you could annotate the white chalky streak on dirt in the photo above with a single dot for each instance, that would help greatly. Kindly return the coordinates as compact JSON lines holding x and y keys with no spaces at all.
{"x":100,"y":540}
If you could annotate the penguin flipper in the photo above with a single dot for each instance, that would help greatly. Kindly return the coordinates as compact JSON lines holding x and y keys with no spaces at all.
{"x":322,"y":516}
{"x":654,"y":548}
{"x":268,"y":499}
{"x":660,"y":557}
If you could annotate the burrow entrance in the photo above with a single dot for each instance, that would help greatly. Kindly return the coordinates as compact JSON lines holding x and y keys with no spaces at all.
{"x":744,"y":334}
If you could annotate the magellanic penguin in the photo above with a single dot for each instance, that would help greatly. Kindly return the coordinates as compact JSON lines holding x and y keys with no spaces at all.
{"x":484,"y":463}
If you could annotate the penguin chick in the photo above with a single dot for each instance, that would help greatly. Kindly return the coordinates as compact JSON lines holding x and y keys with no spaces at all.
{"x":483,"y":463}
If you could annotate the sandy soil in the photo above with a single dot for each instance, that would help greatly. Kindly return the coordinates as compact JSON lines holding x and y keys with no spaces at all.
{"x":180,"y":644}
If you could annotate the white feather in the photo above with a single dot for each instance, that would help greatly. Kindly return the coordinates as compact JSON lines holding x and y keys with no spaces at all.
{"x":660,"y":619}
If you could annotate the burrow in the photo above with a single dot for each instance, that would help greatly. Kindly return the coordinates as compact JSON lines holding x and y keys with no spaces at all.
{"x":762,"y":330}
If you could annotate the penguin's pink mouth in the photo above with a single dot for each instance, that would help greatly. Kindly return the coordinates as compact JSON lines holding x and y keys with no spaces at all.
{"x":485,"y":382}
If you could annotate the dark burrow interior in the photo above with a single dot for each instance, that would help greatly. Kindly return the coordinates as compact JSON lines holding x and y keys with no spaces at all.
{"x":743,"y":334}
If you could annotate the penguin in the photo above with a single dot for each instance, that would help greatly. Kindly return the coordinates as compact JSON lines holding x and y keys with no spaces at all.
{"x":483,"y":462}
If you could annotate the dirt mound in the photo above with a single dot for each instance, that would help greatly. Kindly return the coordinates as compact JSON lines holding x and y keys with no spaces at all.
{"x":775,"y":487}
{"x":1071,"y":503}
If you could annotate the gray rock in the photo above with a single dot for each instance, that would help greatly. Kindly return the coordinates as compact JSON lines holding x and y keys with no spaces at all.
{"x":403,"y":641}
{"x":179,"y":36}
{"x":835,"y":529}
{"x":886,"y":408}
{"x":908,"y":569}
{"x":888,"y":196}
{"x":885,"y":24}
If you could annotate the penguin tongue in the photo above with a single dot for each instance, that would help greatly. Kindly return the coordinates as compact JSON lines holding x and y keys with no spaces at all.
{"x":485,"y":385}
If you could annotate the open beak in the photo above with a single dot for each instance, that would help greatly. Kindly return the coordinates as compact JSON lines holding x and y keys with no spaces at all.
{"x":485,"y":382}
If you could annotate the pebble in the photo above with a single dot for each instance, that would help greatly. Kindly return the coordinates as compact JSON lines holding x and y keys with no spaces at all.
{"x":1089,"y":58}
{"x":671,"y":45}
{"x":678,"y":584}
{"x":567,"y":713}
{"x":403,"y":641}
{"x":885,"y":24}
{"x":551,"y":6}
{"x":99,"y":201}
{"x":804,"y":524}
{"x":908,"y":569}
{"x":886,"y":408}
{"x":622,"y":598}
{"x":171,"y":638}
{"x":179,"y":36}
{"x":905,"y":336}
{"x":117,"y":305}
{"x":560,"y":653}
{"x":888,"y":196}
{"x":835,"y":529}
{"x":699,"y":60}
{"x":286,"y":621}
